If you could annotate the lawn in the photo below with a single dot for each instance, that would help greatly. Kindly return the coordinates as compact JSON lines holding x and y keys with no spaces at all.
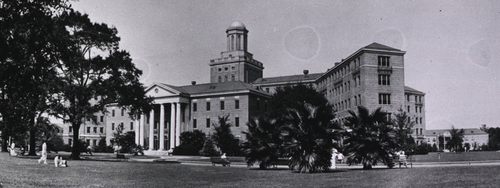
{"x":26,"y":172}
{"x":461,"y":156}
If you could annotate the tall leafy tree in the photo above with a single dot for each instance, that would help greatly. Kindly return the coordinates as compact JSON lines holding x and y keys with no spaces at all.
{"x":370,"y":139}
{"x":263,"y":142}
{"x":224,"y":138}
{"x":403,"y":126}
{"x":28,"y":53}
{"x":93,"y":72}
{"x":307,"y":139}
{"x":456,"y":140}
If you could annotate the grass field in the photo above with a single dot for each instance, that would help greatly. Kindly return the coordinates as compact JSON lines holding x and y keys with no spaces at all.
{"x":26,"y":172}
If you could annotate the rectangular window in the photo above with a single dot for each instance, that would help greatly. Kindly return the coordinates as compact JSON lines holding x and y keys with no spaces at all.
{"x":88,"y":129}
{"x":194,"y":124}
{"x":408,"y":109}
{"x":383,"y":61}
{"x":70,"y":142}
{"x":420,"y":99}
{"x":384,"y":80}
{"x":208,"y":122}
{"x":123,"y":112}
{"x":94,"y":142}
{"x":416,"y":109}
{"x":237,"y":121}
{"x":95,"y":129}
{"x":195,"y":107}
{"x":221,"y":105}
{"x":102,"y":119}
{"x":355,"y":100}
{"x":112,"y":113}
{"x":415,"y":99}
{"x":88,"y":142}
{"x":237,"y":104}
{"x":101,"y":130}
{"x":131,"y":125}
{"x":112,"y":126}
{"x":70,"y":128}
{"x":420,"y":109}
{"x":384,"y":98}
{"x":208,"y":106}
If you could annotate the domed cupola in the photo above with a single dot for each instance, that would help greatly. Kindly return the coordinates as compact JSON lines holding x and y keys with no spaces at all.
{"x":237,"y":37}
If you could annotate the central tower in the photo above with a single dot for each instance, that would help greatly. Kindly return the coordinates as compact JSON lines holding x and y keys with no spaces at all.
{"x":236,"y":64}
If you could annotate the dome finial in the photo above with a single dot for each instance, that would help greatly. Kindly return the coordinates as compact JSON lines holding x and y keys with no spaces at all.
{"x":237,"y":25}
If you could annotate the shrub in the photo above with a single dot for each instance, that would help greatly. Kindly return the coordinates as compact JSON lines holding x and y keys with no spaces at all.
{"x":66,"y":148}
{"x":421,"y":150}
{"x":185,"y":150}
{"x":209,"y":148}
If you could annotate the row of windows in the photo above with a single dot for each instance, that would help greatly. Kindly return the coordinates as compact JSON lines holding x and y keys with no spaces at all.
{"x":346,"y":104}
{"x":222,"y":105}
{"x":113,"y":113}
{"x":101,"y":129}
{"x":233,"y":78}
{"x":418,"y":109}
{"x":346,"y":69}
{"x":417,"y":131}
{"x":418,"y":99}
{"x":122,"y":124}
{"x":208,"y":122}
{"x":226,"y":68}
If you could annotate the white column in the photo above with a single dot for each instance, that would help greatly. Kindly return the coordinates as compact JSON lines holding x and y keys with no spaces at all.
{"x":141,"y":130}
{"x":151,"y":129}
{"x":172,"y":126}
{"x":136,"y":130}
{"x":178,"y":125}
{"x":162,"y":127}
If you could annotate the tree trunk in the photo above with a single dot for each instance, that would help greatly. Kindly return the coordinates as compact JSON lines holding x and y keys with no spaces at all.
{"x":5,"y":137}
{"x":32,"y":151}
{"x":367,"y":166}
{"x":75,"y":151}
{"x":262,"y":166}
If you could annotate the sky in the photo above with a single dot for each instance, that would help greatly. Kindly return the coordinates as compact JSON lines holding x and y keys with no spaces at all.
{"x":452,"y":47}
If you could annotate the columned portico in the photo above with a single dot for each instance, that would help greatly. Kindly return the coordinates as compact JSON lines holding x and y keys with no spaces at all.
{"x":165,"y":120}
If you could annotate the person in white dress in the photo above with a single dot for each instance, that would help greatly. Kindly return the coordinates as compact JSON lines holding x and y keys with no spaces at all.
{"x":44,"y":154}
{"x":13,"y":149}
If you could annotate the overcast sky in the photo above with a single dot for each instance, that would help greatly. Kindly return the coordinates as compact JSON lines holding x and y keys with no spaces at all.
{"x":452,"y":47}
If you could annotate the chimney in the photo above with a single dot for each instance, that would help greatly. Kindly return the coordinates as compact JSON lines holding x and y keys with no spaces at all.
{"x":306,"y":72}
{"x":337,"y":63}
{"x":193,"y":82}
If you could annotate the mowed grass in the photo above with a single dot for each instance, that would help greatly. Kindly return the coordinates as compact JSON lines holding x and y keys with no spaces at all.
{"x":461,"y":156}
{"x":26,"y":172}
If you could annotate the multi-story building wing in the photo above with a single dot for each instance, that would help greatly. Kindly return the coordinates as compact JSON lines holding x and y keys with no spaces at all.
{"x":415,"y":109}
{"x":372,"y":77}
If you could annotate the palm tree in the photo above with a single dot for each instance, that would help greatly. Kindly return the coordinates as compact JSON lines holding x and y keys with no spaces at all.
{"x":456,"y":140}
{"x":370,"y":139}
{"x":307,"y":139}
{"x":263,"y":142}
